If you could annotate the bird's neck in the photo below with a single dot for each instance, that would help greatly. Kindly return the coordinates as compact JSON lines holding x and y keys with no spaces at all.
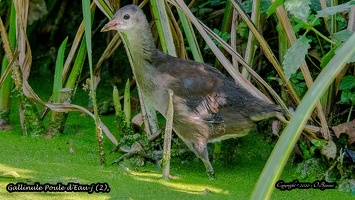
{"x":141,"y":44}
{"x":142,"y":49}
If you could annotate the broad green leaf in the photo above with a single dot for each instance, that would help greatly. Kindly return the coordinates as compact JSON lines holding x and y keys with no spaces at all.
{"x":298,"y":8}
{"x":298,"y":24}
{"x":264,"y":6}
{"x":299,"y":84}
{"x":335,"y":9}
{"x":348,"y":82}
{"x":342,"y":23}
{"x":242,"y":30}
{"x":295,"y":55}
{"x":345,"y":97}
{"x":318,"y":143}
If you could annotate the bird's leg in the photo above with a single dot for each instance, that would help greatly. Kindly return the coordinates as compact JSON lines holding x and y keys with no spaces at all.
{"x":209,"y":168}
{"x":200,"y":150}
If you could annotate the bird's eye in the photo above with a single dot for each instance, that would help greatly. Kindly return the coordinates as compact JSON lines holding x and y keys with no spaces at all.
{"x":126,"y":16}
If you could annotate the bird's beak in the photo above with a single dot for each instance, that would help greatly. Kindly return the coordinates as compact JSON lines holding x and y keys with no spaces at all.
{"x":111,"y":25}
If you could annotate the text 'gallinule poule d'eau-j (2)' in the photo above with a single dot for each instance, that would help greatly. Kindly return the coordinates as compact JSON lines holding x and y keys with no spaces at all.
{"x":208,"y":106}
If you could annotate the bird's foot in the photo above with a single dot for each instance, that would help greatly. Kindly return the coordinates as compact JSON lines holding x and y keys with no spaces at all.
{"x":211,"y":175}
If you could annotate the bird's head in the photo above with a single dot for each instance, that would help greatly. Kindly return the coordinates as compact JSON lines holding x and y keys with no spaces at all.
{"x":127,"y":18}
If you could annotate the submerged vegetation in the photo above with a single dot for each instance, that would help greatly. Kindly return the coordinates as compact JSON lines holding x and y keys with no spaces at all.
{"x":299,"y":54}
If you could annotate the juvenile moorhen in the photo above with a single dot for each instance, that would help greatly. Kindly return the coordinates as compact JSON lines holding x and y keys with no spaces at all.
{"x":208,"y":106}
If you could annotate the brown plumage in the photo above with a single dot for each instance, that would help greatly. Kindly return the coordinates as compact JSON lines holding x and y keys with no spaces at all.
{"x":208,"y":106}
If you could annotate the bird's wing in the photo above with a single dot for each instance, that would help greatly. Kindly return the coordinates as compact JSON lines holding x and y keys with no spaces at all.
{"x":199,"y":84}
{"x":206,"y":91}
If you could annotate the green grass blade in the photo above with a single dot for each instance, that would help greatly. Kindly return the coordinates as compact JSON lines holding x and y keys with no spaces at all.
{"x":190,"y":37}
{"x":87,"y":24}
{"x":79,"y":59}
{"x":6,"y":88}
{"x":116,"y":101}
{"x":127,"y":104}
{"x":104,"y":8}
{"x":290,"y":135}
{"x":57,"y":85}
{"x":163,"y":25}
{"x":78,"y":65}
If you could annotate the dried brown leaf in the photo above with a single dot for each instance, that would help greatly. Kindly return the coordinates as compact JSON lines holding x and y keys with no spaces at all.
{"x":138,"y":119}
{"x":347,"y":128}
{"x":28,"y":92}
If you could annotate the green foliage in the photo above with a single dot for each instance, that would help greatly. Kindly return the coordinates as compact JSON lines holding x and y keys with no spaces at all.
{"x":127,"y":104}
{"x":348,"y":82}
{"x":123,"y":117}
{"x":308,"y":152}
{"x":299,"y":24}
{"x":295,"y":55}
{"x":340,"y":21}
{"x":327,"y":57}
{"x":311,"y":169}
{"x":242,"y":30}
{"x":292,"y":132}
{"x":298,"y":81}
{"x":347,"y":88}
{"x":8,"y":84}
{"x":88,"y":28}
{"x":58,"y":81}
{"x":207,"y":6}
{"x":224,"y":35}
{"x":264,"y":5}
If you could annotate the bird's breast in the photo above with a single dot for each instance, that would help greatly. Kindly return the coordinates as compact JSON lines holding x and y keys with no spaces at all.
{"x":154,"y":86}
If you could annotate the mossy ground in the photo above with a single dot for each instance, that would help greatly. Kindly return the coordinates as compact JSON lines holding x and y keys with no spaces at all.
{"x":37,"y":159}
